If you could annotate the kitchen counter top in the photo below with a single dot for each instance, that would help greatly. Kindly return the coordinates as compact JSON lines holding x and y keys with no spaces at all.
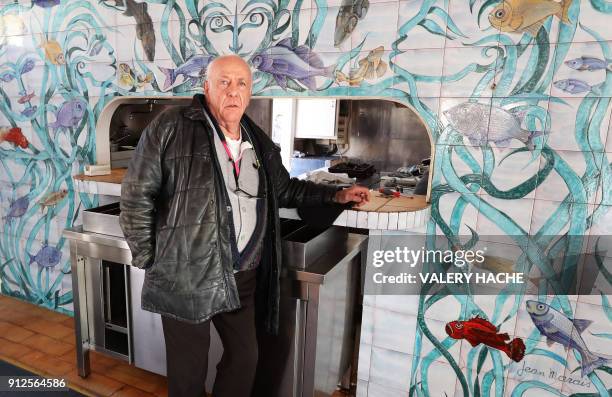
{"x":101,"y":184}
{"x":116,"y":176}
{"x":381,"y":213}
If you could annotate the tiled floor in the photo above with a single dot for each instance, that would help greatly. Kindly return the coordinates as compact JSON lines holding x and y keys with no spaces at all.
{"x":42,"y":341}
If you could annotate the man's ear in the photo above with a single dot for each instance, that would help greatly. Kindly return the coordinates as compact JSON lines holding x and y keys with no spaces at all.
{"x":206,"y":87}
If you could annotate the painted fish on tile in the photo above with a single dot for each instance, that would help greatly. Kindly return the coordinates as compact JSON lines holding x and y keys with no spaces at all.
{"x":98,"y":43}
{"x":478,"y":330}
{"x":52,"y":198}
{"x":481,"y":123}
{"x":519,"y":16}
{"x":47,"y":256}
{"x":286,"y":62}
{"x":370,"y":68}
{"x":128,"y":78}
{"x":577,"y":86}
{"x":46,"y":3}
{"x":27,"y":66}
{"x":25,"y":98}
{"x":53,"y":52}
{"x":17,"y":208}
{"x":589,"y":63}
{"x":144,"y":25}
{"x":29,"y":111}
{"x":14,"y":136}
{"x":7,"y":76}
{"x":193,"y":69}
{"x":349,"y":14}
{"x":69,"y":115}
{"x":556,"y":327}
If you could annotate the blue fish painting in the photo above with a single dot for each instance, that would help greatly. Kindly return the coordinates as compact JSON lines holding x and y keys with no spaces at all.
{"x":192,"y":70}
{"x":46,"y":3}
{"x":590,"y":64}
{"x":97,"y":46}
{"x":481,"y":123}
{"x":18,"y":208}
{"x":299,"y":63}
{"x":29,"y":112}
{"x":556,"y":327}
{"x":47,"y":256}
{"x":70,"y":114}
{"x":7,"y":76}
{"x":576,"y":86}
{"x":27,"y":66}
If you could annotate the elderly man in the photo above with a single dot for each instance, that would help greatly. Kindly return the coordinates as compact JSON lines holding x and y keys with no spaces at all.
{"x":199,"y":210}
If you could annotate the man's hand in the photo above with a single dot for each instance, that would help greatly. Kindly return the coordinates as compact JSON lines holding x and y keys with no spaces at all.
{"x":355,"y":193}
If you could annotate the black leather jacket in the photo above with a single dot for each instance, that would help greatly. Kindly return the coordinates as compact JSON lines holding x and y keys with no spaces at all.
{"x":175,"y":217}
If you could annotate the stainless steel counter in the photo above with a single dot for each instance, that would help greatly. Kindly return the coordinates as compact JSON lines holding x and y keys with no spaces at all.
{"x":317,"y":272}
{"x":320,"y":340}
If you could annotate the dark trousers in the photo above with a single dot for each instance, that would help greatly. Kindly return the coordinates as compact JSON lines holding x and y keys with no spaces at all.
{"x":187,"y":348}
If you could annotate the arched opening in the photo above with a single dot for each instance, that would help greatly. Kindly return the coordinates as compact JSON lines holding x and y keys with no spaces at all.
{"x":379,"y":143}
{"x":387,"y":135}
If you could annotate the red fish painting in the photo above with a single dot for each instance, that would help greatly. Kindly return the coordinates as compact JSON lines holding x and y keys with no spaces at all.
{"x":478,"y":330}
{"x":14,"y":136}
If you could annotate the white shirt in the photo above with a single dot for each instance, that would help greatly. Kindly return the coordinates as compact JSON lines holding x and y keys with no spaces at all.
{"x":234,"y":145}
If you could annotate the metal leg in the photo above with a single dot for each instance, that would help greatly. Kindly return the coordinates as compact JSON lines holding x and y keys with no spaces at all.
{"x":80,"y":311}
{"x":310,"y":346}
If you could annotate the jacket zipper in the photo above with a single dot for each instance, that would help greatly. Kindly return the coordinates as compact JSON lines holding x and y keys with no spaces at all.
{"x":217,"y":170}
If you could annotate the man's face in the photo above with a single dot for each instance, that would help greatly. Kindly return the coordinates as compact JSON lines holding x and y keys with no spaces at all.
{"x":228,"y":89}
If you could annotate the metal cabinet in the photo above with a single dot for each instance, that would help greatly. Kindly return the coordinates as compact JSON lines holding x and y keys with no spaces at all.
{"x":315,"y":345}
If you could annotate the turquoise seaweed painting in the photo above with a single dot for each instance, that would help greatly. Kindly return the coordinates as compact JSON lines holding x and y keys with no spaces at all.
{"x":517,"y":106}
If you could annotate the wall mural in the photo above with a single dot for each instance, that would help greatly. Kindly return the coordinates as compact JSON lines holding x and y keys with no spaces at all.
{"x":515,"y":93}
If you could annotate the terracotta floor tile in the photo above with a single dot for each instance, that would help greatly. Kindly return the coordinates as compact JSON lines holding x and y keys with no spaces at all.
{"x":13,"y":332}
{"x":46,"y":364}
{"x":100,"y":362}
{"x":68,"y":322}
{"x":95,"y":383}
{"x":162,"y":390}
{"x":69,"y":356}
{"x":47,"y":345}
{"x":138,"y":372}
{"x":12,"y":350}
{"x":129,"y":391}
{"x":69,"y":338}
{"x":44,"y":342}
{"x":49,"y":328}
{"x":56,"y":317}
{"x":20,"y":317}
{"x":4,"y":312}
{"x":141,"y":379}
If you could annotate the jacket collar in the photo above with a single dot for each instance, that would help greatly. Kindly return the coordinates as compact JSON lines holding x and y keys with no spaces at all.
{"x":195,"y":111}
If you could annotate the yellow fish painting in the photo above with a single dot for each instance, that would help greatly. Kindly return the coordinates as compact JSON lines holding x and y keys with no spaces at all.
{"x":53,"y":52}
{"x":53,"y":198}
{"x":128,"y":78}
{"x":519,"y":16}
{"x":370,"y":67}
